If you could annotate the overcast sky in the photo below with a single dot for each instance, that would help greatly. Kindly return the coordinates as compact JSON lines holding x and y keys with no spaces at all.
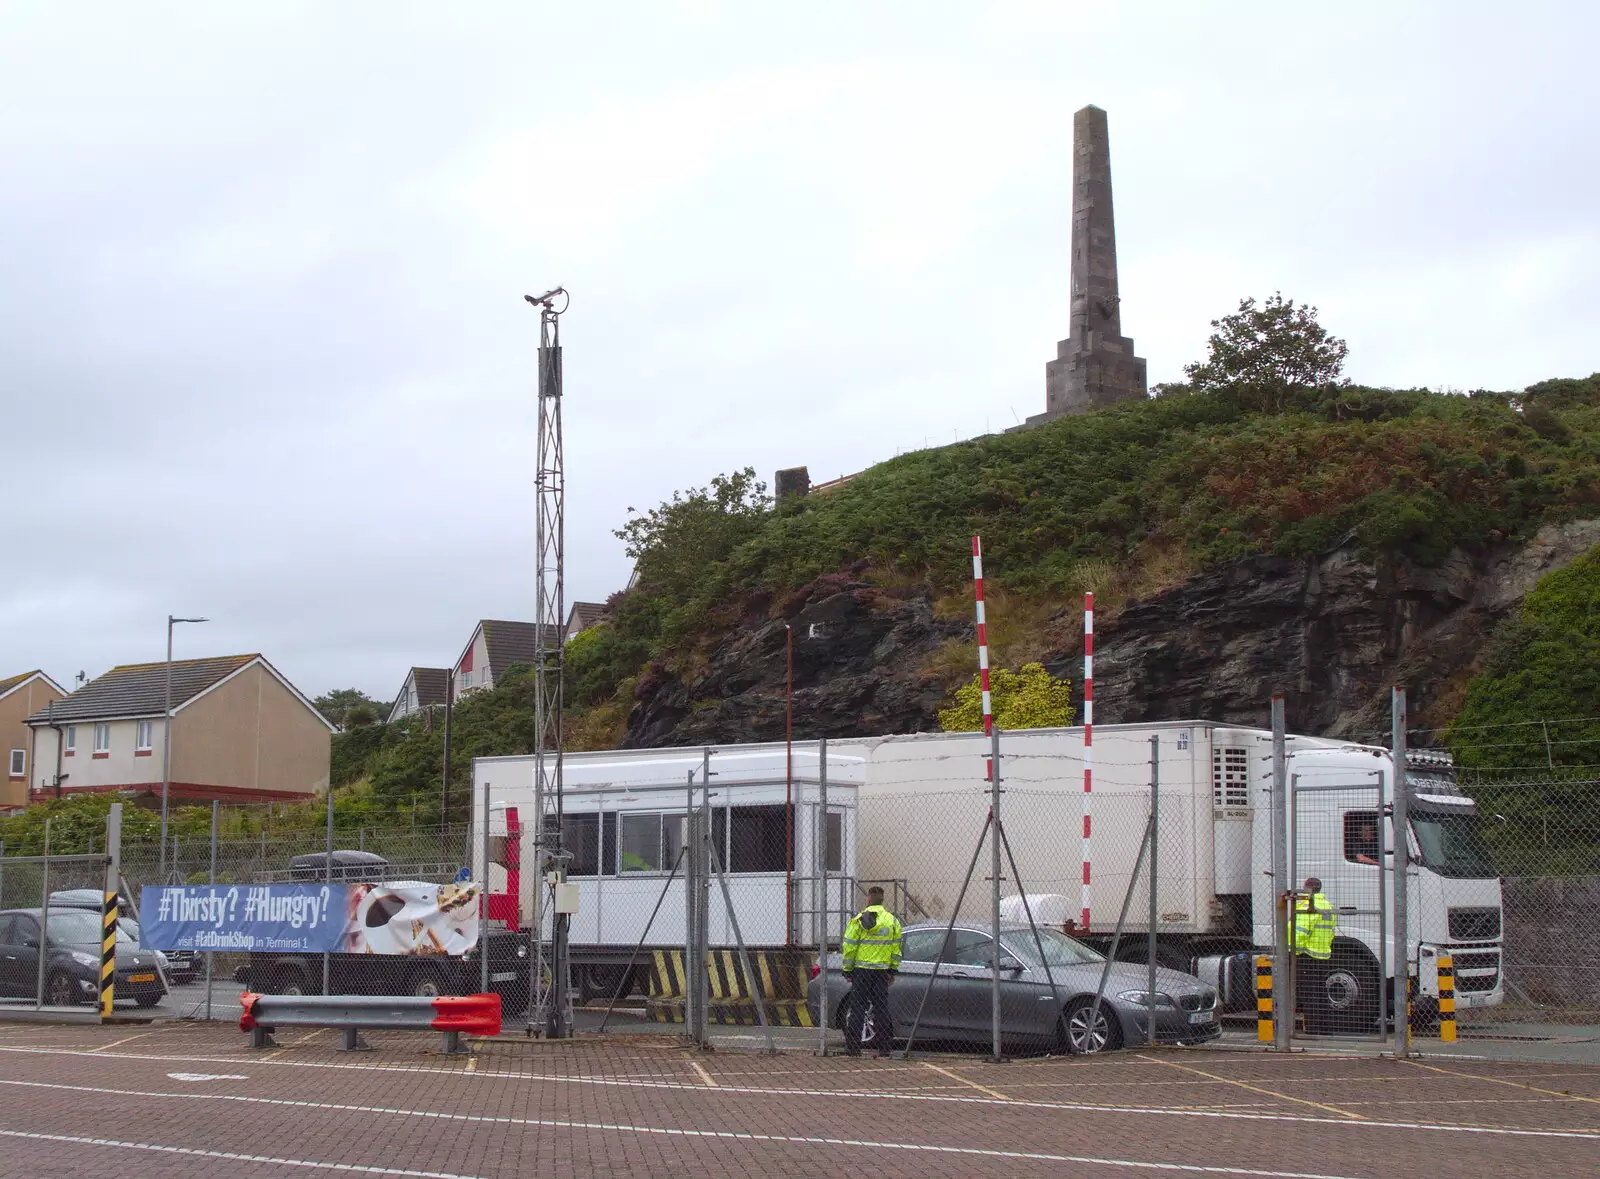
{"x":265,"y":357}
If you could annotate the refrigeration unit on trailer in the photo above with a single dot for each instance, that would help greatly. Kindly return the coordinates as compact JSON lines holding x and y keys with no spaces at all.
{"x":924,"y":802}
{"x":623,"y":826}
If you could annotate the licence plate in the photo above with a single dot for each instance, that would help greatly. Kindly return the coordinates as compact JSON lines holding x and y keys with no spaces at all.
{"x":141,"y":978}
{"x":503,"y":976}
{"x":1200,"y":1017}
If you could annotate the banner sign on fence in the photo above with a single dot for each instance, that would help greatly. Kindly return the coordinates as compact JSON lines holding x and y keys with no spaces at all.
{"x":311,"y":918}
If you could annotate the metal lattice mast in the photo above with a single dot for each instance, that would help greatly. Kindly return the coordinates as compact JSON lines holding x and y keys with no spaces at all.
{"x":551,"y":1007}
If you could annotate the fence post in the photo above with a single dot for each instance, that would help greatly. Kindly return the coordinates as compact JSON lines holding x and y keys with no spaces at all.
{"x":213,"y":881}
{"x":702,"y":948}
{"x":44,"y":917}
{"x":483,"y":892}
{"x":1155,"y":833}
{"x":994,"y":889}
{"x":1400,"y":957}
{"x":108,"y":932}
{"x":327,"y":876}
{"x":821,"y":851}
{"x":691,"y":861}
{"x":1281,"y":884}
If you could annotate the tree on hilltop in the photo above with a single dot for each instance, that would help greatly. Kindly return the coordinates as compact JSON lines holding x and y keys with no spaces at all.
{"x":1267,"y":353}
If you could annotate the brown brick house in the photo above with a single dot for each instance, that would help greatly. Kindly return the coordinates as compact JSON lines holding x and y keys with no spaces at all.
{"x":241,"y":732}
{"x":20,"y":697}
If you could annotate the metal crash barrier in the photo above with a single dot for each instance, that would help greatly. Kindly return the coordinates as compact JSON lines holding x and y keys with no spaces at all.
{"x":450,"y":1015}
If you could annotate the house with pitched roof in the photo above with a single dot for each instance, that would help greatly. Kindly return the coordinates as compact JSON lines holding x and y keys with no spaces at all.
{"x":583,"y":615}
{"x":21,"y":696}
{"x":424,"y":688}
{"x":494,"y":646}
{"x":241,"y":732}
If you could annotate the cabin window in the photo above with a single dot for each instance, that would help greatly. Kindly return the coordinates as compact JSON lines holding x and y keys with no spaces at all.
{"x":1362,"y":844}
{"x":580,"y":835}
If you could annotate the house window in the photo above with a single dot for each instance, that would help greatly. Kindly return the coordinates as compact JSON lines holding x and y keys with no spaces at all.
{"x":466,"y":679}
{"x":102,"y":740}
{"x":142,"y":745}
{"x":72,"y":741}
{"x":19,"y":763}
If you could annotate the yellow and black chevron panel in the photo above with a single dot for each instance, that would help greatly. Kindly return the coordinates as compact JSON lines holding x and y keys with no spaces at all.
{"x":1265,"y":1028}
{"x":1447,"y":998}
{"x":783,"y":1013}
{"x":666,"y":975}
{"x":781,"y":974}
{"x":108,"y":954}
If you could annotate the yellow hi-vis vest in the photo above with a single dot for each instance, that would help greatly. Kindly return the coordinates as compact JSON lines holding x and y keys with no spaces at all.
{"x":874,"y":948}
{"x":1314,"y":923}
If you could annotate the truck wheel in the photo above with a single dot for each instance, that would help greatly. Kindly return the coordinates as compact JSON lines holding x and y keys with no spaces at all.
{"x":1340,"y":996}
{"x":290,"y":981}
{"x":426,"y":985}
{"x":1086,"y":1031}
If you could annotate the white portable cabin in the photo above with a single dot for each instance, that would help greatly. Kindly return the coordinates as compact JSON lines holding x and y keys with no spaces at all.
{"x":623,"y":823}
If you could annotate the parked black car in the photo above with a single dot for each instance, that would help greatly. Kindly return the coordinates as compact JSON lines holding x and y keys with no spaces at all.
{"x":72,"y":959}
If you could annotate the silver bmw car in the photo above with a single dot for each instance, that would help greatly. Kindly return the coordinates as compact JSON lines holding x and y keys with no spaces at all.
{"x":1046,"y":1000}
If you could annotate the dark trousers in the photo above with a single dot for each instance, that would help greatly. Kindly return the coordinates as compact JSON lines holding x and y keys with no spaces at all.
{"x":869,"y":989}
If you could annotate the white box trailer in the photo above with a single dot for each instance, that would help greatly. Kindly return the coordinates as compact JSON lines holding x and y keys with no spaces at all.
{"x":623,"y":824}
{"x":916,"y":810}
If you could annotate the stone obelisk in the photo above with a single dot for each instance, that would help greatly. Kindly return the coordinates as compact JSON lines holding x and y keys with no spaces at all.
{"x":1095,"y":365}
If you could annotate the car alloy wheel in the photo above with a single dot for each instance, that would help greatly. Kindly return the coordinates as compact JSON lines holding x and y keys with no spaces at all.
{"x":1089,"y":1030}
{"x":60,"y":991}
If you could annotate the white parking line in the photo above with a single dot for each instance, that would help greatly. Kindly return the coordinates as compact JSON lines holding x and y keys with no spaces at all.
{"x":438,"y":1115}
{"x":231,"y":1156}
{"x":847,"y":1094}
{"x":625,"y":1128}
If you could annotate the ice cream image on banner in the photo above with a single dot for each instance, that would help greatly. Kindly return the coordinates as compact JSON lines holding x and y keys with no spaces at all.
{"x":413,"y":919}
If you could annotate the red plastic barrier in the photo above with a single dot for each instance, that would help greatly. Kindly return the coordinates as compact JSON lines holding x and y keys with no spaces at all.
{"x":477,"y":1015}
{"x":247,"y":1019}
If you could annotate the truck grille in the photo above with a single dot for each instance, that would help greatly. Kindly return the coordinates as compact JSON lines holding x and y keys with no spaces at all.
{"x":1489,"y":962}
{"x":1204,"y":1001}
{"x":1474,"y":925}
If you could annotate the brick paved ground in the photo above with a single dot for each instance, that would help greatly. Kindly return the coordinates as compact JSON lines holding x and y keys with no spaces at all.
{"x":188,"y":1099}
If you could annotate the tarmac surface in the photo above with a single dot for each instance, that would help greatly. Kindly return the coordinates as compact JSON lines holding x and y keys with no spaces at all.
{"x":189,"y":1099}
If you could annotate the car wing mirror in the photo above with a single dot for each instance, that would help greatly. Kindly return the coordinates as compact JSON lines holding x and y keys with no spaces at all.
{"x":1010,"y":965}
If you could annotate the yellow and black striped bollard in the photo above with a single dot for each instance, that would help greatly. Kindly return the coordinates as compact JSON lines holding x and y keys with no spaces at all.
{"x":108,"y":955}
{"x":1265,"y":1031}
{"x":1447,"y":999}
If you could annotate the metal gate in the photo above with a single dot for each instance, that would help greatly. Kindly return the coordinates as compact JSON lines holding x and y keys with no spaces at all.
{"x":1339,"y":836}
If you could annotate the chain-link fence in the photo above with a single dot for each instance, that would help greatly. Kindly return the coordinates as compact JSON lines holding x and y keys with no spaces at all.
{"x":723,"y":893}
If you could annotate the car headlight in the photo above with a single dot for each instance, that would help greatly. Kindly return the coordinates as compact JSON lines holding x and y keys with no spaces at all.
{"x":1146,"y":999}
{"x":83,"y":959}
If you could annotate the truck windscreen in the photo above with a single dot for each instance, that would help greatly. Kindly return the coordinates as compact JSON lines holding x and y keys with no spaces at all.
{"x":1450,"y":844}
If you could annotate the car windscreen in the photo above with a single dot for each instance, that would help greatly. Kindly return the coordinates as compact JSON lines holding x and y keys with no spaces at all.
{"x":74,"y":927}
{"x":1450,"y":844}
{"x":1059,"y":949}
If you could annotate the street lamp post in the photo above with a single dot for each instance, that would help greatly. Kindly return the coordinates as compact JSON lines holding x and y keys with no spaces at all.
{"x":166,"y":742}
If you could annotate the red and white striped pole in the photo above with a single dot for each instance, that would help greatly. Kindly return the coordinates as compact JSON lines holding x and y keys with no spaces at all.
{"x":983,"y":640}
{"x":1088,"y":746}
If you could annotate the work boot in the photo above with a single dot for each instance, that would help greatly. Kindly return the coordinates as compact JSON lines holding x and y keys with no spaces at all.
{"x":852,"y":1052}
{"x":884,"y":1053}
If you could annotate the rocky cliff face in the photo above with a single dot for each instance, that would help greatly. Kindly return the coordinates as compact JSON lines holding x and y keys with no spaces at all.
{"x":1331,"y":633}
{"x":856,"y":654}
